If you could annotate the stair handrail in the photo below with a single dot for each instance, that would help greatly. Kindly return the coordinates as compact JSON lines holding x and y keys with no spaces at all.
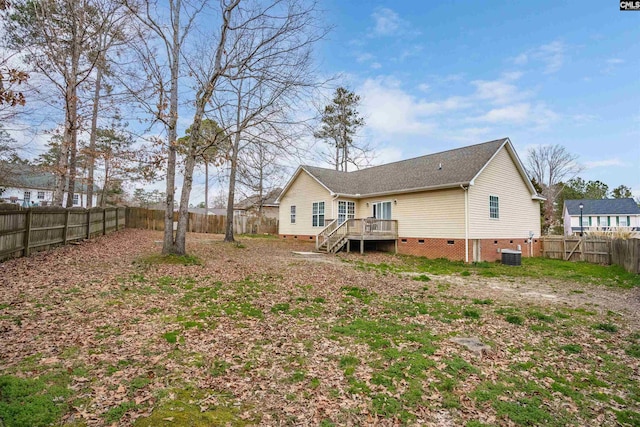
{"x":321,"y":234}
{"x":344,"y":230}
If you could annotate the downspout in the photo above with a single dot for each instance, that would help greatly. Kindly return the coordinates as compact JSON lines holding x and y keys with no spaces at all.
{"x":466,"y":222}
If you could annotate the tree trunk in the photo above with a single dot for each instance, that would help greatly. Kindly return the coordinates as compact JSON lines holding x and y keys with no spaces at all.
{"x":206,"y":194}
{"x":73,"y":151}
{"x":228,"y":231}
{"x":93,"y":137}
{"x":168,"y":246}
{"x":106,"y":182}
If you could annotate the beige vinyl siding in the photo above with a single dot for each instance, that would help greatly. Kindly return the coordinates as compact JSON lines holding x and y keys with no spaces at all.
{"x":519,"y":214}
{"x":437,"y":214}
{"x":302,"y":193}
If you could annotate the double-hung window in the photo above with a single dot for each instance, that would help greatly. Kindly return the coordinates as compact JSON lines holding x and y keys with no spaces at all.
{"x":585,"y":221}
{"x":602,"y":221}
{"x":317,"y":214}
{"x":76,"y":199}
{"x":40,"y":195}
{"x":346,"y":210}
{"x":623,"y":221}
{"x":27,"y":197}
{"x":293,"y":214}
{"x":494,"y":207}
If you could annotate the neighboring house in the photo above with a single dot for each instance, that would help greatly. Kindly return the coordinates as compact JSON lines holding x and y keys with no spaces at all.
{"x":466,"y":204}
{"x":601,"y":215}
{"x":251,"y":205}
{"x":28,"y":185}
{"x":210,"y":211}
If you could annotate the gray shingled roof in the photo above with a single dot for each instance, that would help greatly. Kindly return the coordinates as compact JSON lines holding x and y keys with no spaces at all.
{"x":603,"y":207}
{"x":444,"y":169}
{"x":27,"y":176}
{"x":268,"y":199}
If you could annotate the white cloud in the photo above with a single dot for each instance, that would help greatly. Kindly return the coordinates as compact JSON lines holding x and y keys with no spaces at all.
{"x":611,"y":64}
{"x":376,"y":65}
{"x":364,"y":57}
{"x":386,"y":21}
{"x":424,"y":87}
{"x":604,"y":163}
{"x":387,"y":154}
{"x":517,"y":113}
{"x":550,"y":54}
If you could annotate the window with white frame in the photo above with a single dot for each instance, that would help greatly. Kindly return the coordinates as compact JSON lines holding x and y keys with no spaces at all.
{"x":585,"y":221}
{"x":40,"y":195}
{"x":494,"y":207}
{"x":293,"y":214}
{"x":76,"y":199}
{"x":346,"y":210}
{"x":602,"y":221}
{"x":381,"y":210}
{"x":27,"y":196}
{"x":623,"y":222}
{"x":317,"y":214}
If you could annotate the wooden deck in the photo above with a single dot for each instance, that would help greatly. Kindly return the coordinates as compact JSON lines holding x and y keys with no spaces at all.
{"x":335,"y":236}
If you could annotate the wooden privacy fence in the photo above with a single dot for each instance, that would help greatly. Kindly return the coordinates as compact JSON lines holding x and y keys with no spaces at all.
{"x":40,"y":228}
{"x":152,"y":219}
{"x":625,"y":253}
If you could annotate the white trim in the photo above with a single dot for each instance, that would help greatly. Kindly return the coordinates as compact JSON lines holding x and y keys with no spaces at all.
{"x":293,"y":178}
{"x":324,"y":213}
{"x":498,"y":200}
{"x":382,"y":201}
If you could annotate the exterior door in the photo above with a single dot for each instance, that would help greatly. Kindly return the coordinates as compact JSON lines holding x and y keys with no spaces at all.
{"x":382,"y":210}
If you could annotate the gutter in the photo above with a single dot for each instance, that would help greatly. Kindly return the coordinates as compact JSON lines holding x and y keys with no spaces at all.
{"x":408,"y":190}
{"x":466,"y":222}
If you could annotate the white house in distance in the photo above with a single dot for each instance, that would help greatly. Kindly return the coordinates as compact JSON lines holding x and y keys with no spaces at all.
{"x":466,"y":204}
{"x":600,"y":215}
{"x":28,"y":185}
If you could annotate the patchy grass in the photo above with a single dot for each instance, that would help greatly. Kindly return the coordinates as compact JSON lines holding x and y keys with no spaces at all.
{"x":257,"y":336}
{"x":580,"y":272}
{"x":171,"y":259}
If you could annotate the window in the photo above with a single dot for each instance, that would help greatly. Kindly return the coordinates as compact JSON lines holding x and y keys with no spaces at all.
{"x":317,"y":214}
{"x":293,"y":214}
{"x":346,"y":210}
{"x":382,"y":210}
{"x":494,"y":207}
{"x":40,"y":195}
{"x":623,"y":222}
{"x":585,"y":221}
{"x":27,"y":197}
{"x":602,"y":221}
{"x":76,"y":199}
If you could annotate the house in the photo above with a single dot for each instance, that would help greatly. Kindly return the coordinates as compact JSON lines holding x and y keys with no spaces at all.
{"x":29,"y":185}
{"x":467,"y":204}
{"x":601,"y":215}
{"x":251,"y":205}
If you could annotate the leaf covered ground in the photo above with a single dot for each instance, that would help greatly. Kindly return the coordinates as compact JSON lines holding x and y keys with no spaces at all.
{"x":109,"y":333}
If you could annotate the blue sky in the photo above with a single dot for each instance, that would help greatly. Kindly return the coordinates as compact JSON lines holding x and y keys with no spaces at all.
{"x":438,"y":75}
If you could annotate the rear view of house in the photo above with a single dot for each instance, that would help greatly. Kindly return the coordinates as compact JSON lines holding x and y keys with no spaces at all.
{"x":466,"y":204}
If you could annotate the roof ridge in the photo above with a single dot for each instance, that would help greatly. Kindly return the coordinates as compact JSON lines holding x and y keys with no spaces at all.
{"x":411,"y":158}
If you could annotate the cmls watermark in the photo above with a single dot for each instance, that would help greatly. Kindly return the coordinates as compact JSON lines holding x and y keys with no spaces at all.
{"x":629,"y":5}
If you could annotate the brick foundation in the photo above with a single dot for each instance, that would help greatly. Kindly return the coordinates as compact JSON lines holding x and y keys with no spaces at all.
{"x":298,"y":237}
{"x":453,"y":249}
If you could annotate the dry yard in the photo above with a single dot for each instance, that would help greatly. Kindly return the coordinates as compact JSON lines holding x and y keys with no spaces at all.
{"x":106,"y":333}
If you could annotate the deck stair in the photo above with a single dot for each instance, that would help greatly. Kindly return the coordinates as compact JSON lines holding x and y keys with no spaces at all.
{"x":336,"y":235}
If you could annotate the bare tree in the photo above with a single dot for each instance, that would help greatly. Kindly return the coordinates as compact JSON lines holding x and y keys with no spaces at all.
{"x":57,"y":39}
{"x":550,"y":166}
{"x":162,"y":71}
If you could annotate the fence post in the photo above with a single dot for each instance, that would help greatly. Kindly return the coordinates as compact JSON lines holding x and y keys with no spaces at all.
{"x":27,"y":232}
{"x":65,"y":235}
{"x":104,"y":221}
{"x":88,"y":224}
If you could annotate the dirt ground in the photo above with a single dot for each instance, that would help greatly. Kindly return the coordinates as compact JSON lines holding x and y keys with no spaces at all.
{"x":261,"y":335}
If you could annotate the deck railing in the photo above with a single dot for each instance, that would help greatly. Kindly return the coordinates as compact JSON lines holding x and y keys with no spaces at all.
{"x":373,"y":227}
